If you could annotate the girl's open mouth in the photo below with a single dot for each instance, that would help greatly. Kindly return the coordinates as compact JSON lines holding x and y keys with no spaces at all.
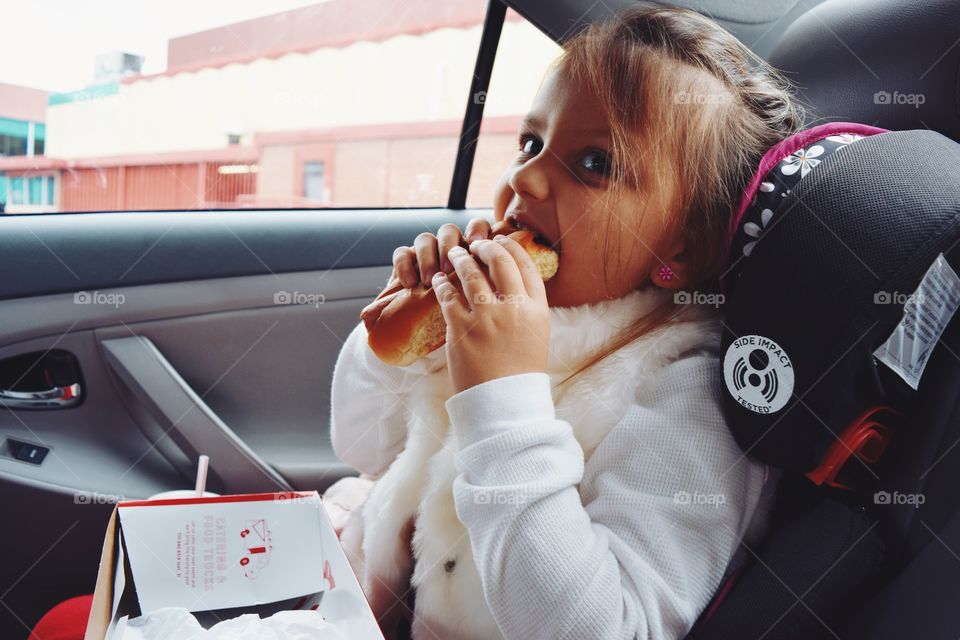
{"x":538,"y":237}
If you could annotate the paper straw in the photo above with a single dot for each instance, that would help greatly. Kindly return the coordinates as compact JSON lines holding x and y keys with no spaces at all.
{"x":202,"y":465}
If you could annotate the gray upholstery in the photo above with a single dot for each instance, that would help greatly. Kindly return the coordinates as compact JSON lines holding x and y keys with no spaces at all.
{"x":889,"y":63}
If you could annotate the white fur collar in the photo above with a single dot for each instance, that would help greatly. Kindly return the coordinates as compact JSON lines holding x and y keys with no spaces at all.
{"x":577,"y":332}
{"x":593,"y":401}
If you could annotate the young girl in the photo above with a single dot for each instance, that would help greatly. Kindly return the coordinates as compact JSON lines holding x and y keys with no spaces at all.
{"x":563,"y":462}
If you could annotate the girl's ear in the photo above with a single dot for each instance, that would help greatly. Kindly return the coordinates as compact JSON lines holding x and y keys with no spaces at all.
{"x":672,"y":272}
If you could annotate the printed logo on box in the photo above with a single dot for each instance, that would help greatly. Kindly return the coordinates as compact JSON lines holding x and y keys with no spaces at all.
{"x":256,"y":537}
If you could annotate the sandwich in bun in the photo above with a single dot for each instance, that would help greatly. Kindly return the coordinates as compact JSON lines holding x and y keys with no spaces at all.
{"x":404,"y":325}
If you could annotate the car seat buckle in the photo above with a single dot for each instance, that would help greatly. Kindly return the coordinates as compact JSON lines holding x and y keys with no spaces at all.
{"x":865,"y":438}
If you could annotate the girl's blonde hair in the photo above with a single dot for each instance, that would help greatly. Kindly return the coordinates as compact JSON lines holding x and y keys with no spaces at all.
{"x":691,"y":110}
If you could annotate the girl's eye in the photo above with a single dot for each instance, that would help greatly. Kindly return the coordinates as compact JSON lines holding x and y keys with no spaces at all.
{"x":596,"y":162}
{"x":529,"y":145}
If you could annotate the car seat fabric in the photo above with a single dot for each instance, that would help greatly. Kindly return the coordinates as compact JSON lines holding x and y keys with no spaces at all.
{"x":801,"y":581}
{"x":892,"y":63}
{"x":921,"y":572}
{"x":869,"y":218}
{"x":922,"y":601}
{"x":781,"y":168}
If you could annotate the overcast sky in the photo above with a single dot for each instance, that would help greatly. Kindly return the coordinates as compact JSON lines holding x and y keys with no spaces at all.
{"x":51,"y":44}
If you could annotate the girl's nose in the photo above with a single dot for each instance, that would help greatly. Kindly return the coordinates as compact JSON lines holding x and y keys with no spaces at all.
{"x":530,"y":180}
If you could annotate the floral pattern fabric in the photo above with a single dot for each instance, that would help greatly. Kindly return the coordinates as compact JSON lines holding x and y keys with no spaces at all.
{"x":761,"y":214}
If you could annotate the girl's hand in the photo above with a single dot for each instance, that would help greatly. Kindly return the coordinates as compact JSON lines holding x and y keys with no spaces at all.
{"x":429,"y":252}
{"x":495,"y":331}
{"x":344,"y":498}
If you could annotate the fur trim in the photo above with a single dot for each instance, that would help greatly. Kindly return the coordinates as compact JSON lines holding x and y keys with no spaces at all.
{"x":419,"y":483}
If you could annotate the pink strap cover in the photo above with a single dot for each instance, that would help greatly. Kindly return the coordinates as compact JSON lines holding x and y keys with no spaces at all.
{"x":781,"y":150}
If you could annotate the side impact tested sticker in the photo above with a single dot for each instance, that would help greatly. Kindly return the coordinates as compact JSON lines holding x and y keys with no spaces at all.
{"x":758,"y":374}
{"x":926,"y":313}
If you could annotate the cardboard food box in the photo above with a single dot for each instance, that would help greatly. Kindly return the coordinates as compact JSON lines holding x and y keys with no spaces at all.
{"x":221,"y":557}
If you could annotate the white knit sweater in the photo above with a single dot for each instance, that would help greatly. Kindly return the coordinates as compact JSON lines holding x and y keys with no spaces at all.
{"x":606,"y":508}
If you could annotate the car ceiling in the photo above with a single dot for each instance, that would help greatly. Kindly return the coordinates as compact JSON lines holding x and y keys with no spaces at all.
{"x":757,"y":23}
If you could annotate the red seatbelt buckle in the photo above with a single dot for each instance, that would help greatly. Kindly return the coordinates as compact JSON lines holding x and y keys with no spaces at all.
{"x":865,"y":438}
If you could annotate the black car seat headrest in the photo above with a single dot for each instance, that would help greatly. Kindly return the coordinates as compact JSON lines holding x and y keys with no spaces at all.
{"x":837,"y":294}
{"x":891,"y":63}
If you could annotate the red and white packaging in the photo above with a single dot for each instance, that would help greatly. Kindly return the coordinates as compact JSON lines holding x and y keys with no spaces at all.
{"x":251,"y":553}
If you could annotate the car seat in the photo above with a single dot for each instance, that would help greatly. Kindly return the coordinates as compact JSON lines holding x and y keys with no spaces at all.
{"x":841,"y":345}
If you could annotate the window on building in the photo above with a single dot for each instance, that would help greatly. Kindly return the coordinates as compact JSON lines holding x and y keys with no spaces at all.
{"x":13,"y":145}
{"x":313,"y":181}
{"x":16,"y":190}
{"x":35,"y":190}
{"x":31,"y":191}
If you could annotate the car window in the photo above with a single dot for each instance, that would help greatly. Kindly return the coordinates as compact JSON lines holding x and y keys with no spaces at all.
{"x":523,"y":56}
{"x":242,"y":103}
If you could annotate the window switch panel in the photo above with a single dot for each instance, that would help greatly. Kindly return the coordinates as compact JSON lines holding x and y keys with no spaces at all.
{"x":26,"y":451}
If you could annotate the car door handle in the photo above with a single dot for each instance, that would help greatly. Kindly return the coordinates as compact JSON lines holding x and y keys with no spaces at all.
{"x":186,"y":418}
{"x":52,"y":398}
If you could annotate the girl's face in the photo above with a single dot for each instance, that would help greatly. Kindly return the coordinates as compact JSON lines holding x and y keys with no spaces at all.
{"x":557,"y":185}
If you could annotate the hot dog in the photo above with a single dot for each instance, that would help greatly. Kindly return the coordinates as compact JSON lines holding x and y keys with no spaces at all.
{"x":404,"y":325}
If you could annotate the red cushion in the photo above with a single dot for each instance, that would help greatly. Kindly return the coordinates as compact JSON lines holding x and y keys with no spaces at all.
{"x":66,"y":621}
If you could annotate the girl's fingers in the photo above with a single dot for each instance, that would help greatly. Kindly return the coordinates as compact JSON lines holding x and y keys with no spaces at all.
{"x":477,"y":229}
{"x":429,"y":253}
{"x":529,"y":275}
{"x":502,"y":265}
{"x":451,"y":302}
{"x":476,"y":287}
{"x":448,"y":237}
{"x":425,"y":247}
{"x":404,"y":265}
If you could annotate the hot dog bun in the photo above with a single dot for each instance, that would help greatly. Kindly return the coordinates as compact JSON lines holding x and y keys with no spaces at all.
{"x":404,"y":325}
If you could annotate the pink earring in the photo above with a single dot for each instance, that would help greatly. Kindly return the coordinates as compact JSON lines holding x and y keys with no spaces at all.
{"x":665,"y":273}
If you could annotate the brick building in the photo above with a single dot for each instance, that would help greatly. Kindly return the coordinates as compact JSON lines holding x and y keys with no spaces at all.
{"x":309,"y":107}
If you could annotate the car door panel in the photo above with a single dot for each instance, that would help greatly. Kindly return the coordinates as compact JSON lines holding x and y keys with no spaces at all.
{"x":50,"y":253}
{"x":249,"y":309}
